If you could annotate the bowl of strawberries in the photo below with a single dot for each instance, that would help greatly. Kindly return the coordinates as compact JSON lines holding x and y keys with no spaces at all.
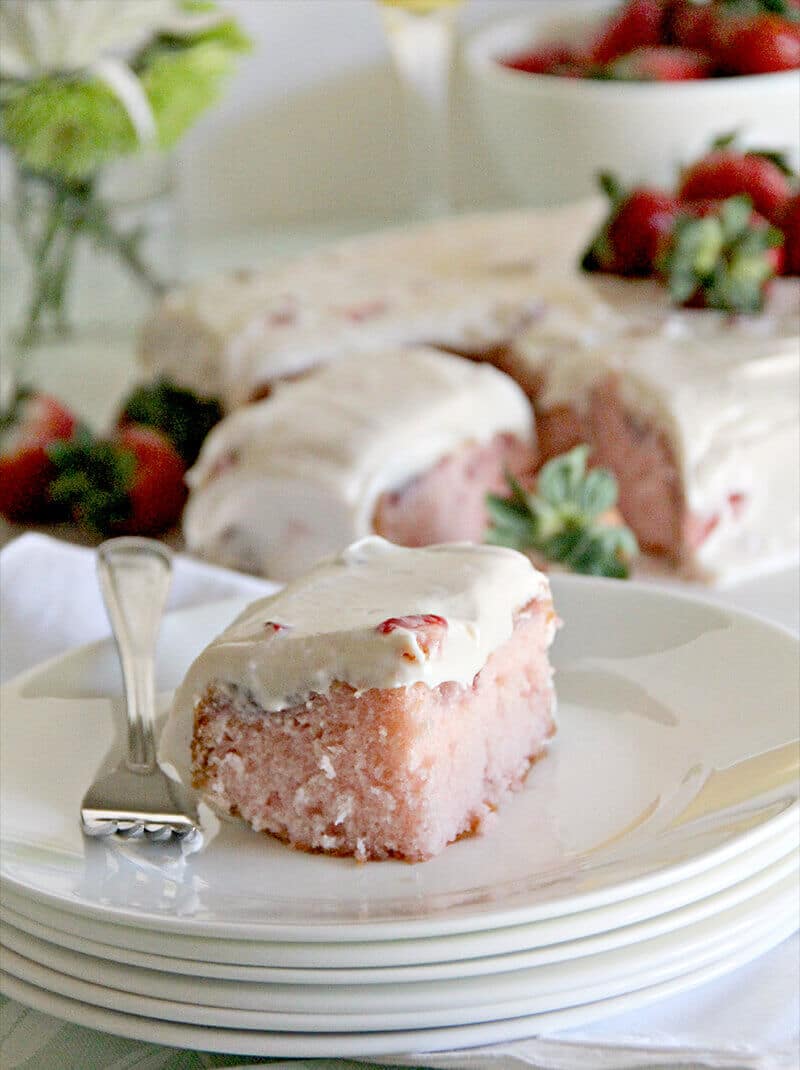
{"x":634,"y":86}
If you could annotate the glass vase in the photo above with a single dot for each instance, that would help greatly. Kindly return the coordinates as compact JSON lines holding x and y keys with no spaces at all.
{"x":82,"y":262}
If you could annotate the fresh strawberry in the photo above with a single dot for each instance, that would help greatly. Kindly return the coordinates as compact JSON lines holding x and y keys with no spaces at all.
{"x":545,"y":59}
{"x":693,"y":25}
{"x":727,"y":172}
{"x":131,"y":483}
{"x":790,"y":225}
{"x":660,"y":63}
{"x":721,"y":255}
{"x":184,"y":417}
{"x":26,"y":431}
{"x":761,"y":45}
{"x":629,"y":240}
{"x":637,"y":24}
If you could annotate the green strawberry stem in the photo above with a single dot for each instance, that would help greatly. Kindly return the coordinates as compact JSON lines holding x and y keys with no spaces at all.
{"x":563,"y":518}
{"x":74,"y":210}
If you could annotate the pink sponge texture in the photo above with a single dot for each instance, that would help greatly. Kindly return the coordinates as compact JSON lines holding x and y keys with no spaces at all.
{"x":394,"y":773}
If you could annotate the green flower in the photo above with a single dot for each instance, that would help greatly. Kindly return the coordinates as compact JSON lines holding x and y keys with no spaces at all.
{"x":67,"y":128}
{"x":180,"y":84}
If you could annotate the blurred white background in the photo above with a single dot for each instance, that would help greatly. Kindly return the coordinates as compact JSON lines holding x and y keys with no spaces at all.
{"x":310,"y":129}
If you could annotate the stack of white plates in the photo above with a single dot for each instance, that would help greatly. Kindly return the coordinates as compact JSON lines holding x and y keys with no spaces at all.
{"x":652,"y":850}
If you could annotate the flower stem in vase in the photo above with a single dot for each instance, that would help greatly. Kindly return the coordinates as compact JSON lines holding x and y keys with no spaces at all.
{"x":73,"y":210}
{"x":421,"y":41}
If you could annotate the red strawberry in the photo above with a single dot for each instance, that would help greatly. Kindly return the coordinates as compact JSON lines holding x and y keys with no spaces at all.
{"x":661,"y":63}
{"x":726,"y":172}
{"x":721,"y":255}
{"x":158,"y":491}
{"x":129,"y":484}
{"x":692,"y":25}
{"x":760,"y":45}
{"x":637,"y":24}
{"x":545,"y":59}
{"x":34,"y":422}
{"x":790,"y":224}
{"x":629,"y":241}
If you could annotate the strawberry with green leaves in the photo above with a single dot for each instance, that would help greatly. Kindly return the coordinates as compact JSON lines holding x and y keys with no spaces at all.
{"x":721,"y":255}
{"x":726,"y":171}
{"x":33,"y":423}
{"x":129,"y":484}
{"x":181,"y":415}
{"x":631,"y":237}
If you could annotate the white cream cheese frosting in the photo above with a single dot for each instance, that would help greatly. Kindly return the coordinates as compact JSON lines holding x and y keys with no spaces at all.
{"x":281,"y":483}
{"x":726,"y":392}
{"x":724,"y":389}
{"x":331,"y":625}
{"x":466,"y":283}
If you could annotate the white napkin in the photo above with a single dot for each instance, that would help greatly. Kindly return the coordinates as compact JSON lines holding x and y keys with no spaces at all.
{"x":750,"y":1018}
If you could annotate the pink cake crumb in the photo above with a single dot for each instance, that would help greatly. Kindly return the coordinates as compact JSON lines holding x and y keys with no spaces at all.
{"x":640,"y":456}
{"x":448,"y":502}
{"x":384,"y":773}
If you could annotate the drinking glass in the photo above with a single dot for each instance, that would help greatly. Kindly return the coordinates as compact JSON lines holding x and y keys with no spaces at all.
{"x":421,"y":35}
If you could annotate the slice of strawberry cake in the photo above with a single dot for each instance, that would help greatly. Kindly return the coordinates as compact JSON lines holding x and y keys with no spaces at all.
{"x":381,"y":706}
{"x":402,"y":443}
{"x":699,"y":421}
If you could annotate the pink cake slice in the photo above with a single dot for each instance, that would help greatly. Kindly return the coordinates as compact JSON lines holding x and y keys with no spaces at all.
{"x":702,"y":437}
{"x":396,"y":723}
{"x":447,"y":503}
{"x":403,"y":443}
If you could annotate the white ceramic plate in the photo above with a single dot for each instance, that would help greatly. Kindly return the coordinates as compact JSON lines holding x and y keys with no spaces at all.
{"x":428,"y":1004}
{"x":306,"y":1045}
{"x":420,"y":955}
{"x":657,"y":691}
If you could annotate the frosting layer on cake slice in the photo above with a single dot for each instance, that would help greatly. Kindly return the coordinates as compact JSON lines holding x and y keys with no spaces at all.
{"x":380,"y":706}
{"x":699,"y":419}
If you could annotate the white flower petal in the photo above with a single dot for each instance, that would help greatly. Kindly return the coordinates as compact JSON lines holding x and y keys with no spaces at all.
{"x":127,"y":88}
{"x":39,"y":37}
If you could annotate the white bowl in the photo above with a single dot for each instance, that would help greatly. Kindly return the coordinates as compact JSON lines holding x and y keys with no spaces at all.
{"x":550,"y":136}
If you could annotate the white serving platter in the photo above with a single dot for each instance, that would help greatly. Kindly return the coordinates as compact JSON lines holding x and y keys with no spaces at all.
{"x":516,"y":947}
{"x":675,"y":754}
{"x":41,"y":994}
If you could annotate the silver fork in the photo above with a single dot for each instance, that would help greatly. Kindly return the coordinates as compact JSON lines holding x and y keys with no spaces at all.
{"x":138,"y":798}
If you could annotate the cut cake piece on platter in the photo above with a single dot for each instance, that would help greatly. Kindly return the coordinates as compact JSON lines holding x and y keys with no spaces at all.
{"x":380,"y":706}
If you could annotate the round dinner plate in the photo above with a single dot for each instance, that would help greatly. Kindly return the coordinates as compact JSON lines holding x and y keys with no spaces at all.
{"x":316,"y":1007}
{"x":42,"y":995}
{"x":529,"y":946}
{"x":671,"y":758}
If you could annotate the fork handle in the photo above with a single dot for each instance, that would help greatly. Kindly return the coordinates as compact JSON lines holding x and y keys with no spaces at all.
{"x":135,"y":576}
